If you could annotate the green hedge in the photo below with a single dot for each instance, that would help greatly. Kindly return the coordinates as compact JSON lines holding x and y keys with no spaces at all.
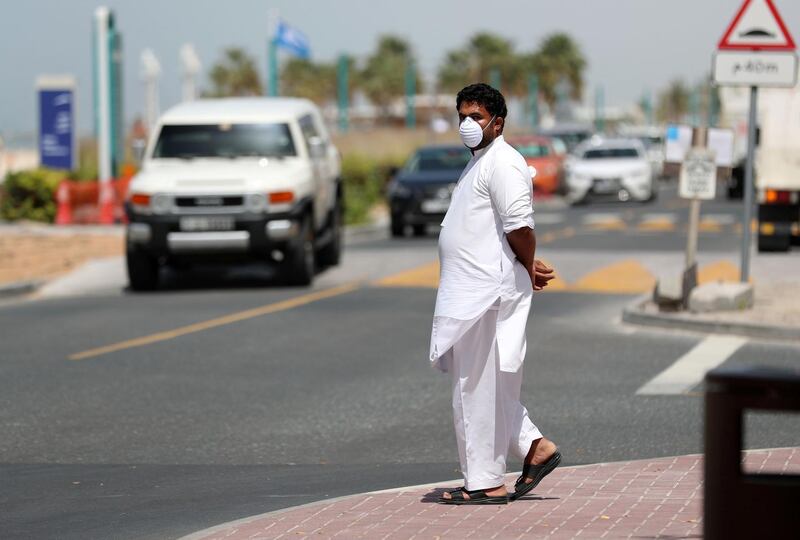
{"x":30,"y":195}
{"x":364,"y":180}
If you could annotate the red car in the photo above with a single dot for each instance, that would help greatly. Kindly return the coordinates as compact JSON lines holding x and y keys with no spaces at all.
{"x":539,"y":153}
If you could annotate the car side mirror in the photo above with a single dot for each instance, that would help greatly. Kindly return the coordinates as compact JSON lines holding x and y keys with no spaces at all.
{"x":393,"y":170}
{"x":316,"y":147}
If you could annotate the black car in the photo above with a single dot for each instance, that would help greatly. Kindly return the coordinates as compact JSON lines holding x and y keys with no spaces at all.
{"x":419,"y":194}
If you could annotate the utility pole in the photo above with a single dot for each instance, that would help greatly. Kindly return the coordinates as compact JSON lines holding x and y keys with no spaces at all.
{"x":533,"y":101}
{"x":494,"y":78}
{"x":599,"y":110}
{"x":272,"y":53}
{"x":191,"y":67}
{"x":343,"y":91}
{"x":411,"y":90}
{"x":151,"y":70}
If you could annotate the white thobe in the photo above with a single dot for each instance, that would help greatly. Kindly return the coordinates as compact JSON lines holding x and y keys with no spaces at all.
{"x":477,"y":266}
{"x":481,"y":311}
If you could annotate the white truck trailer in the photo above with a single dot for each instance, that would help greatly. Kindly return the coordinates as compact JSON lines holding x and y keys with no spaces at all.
{"x":777,"y":169}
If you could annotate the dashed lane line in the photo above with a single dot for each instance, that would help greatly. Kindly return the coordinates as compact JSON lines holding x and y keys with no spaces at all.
{"x":214,"y":323}
{"x":689,"y":369}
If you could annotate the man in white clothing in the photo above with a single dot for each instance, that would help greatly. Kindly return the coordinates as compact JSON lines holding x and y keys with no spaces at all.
{"x":488,"y":275}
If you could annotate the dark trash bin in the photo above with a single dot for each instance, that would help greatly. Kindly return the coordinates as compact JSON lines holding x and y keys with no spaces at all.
{"x":739,"y":504}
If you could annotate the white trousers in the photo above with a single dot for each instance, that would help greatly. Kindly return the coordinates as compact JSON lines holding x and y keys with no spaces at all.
{"x":490,"y":421}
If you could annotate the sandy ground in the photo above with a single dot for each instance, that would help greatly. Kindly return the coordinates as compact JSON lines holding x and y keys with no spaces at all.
{"x":36,"y":253}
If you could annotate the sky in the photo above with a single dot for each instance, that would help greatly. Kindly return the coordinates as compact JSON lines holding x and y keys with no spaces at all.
{"x":632,"y":46}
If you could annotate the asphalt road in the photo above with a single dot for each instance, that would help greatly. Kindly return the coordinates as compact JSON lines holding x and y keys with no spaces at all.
{"x":221,"y":397}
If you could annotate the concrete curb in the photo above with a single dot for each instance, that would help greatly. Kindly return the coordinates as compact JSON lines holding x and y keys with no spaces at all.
{"x":634,"y":313}
{"x":20,"y":288}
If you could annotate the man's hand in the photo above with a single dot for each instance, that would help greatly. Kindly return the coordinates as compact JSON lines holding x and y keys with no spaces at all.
{"x":542,"y":275}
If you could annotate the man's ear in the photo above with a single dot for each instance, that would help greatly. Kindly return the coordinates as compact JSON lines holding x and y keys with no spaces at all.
{"x":500,"y":123}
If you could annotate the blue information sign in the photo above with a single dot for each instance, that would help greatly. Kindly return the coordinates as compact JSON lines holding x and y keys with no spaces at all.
{"x":56,"y":128}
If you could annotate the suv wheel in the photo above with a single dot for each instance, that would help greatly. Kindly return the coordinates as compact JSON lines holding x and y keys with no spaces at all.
{"x":142,"y":270}
{"x":302,"y":260}
{"x":420,"y":230}
{"x":331,"y":254}
{"x":398,"y":227}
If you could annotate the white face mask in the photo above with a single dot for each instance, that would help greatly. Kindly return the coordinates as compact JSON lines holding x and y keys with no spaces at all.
{"x":471,"y":132}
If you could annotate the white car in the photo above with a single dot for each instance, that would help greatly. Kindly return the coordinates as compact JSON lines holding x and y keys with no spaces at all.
{"x":616,"y":169}
{"x":235,"y":179}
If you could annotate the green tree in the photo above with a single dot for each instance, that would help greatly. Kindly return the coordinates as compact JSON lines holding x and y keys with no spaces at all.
{"x":474,"y":63}
{"x":383,"y":76}
{"x":673,"y":102}
{"x":235,"y":75}
{"x":303,"y":78}
{"x":558,"y":57}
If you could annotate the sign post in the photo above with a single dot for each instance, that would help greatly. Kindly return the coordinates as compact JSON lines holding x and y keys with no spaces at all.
{"x":756,"y":50}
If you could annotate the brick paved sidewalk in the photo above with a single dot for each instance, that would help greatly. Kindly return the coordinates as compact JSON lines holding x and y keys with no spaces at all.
{"x":659,"y":498}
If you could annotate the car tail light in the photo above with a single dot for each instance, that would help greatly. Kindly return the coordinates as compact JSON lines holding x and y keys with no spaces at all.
{"x":140,"y":199}
{"x":281,"y":197}
{"x":775,"y":196}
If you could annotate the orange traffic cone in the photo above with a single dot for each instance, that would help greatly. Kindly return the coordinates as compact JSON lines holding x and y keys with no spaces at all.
{"x":106,"y":203}
{"x":64,"y":210}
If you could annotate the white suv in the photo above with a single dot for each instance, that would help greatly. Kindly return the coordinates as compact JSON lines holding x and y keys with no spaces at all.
{"x":235,"y":179}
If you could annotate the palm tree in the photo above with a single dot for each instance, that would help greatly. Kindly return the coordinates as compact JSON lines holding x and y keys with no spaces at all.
{"x":558,"y":57}
{"x":673,"y":102}
{"x":303,"y":78}
{"x":383,"y":78}
{"x":235,"y":75}
{"x":475,"y":62}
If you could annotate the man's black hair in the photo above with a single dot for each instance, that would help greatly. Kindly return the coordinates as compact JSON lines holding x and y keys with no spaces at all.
{"x":485,"y":95}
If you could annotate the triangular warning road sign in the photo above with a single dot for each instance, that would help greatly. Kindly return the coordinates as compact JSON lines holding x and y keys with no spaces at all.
{"x":757,"y":26}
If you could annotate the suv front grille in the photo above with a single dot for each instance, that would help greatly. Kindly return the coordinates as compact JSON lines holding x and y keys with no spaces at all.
{"x":209,"y":201}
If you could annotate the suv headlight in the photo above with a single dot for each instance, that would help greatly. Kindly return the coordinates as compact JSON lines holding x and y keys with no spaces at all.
{"x":396,"y":189}
{"x":161,"y":203}
{"x":255,"y":202}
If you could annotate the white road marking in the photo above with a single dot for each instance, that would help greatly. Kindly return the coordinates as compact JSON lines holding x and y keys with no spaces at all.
{"x":671,"y":217}
{"x":596,"y":218}
{"x":721,"y":219}
{"x":549,"y":218}
{"x":690,"y":368}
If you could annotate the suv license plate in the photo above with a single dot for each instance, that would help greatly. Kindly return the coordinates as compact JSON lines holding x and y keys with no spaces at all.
{"x":215,"y":223}
{"x":606,"y":185}
{"x":435,"y":206}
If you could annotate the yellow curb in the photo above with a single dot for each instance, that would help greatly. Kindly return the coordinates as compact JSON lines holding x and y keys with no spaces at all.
{"x":609,"y":225}
{"x":628,"y":276}
{"x":718,"y":271}
{"x":660,"y":224}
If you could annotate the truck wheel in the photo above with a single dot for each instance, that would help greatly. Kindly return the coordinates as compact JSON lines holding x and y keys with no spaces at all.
{"x":420,"y":230}
{"x":774,"y":242}
{"x":301,"y":261}
{"x":142,"y":270}
{"x":331,"y":253}
{"x":398,"y":227}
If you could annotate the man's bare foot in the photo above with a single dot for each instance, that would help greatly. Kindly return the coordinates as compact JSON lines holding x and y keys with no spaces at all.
{"x":498,"y":491}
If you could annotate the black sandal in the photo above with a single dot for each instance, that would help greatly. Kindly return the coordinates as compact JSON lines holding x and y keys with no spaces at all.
{"x":477,"y":496}
{"x":536,"y":473}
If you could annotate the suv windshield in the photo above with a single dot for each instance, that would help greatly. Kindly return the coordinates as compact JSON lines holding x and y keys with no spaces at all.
{"x":611,"y":153}
{"x":438,"y":159}
{"x":224,"y":141}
